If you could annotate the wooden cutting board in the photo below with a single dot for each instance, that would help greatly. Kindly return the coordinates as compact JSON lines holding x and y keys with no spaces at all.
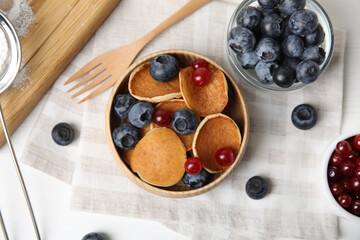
{"x":60,"y":30}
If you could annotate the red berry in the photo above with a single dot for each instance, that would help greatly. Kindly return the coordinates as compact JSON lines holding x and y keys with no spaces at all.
{"x":355,"y":207}
{"x":345,"y":200}
{"x":161,"y":117}
{"x":355,"y":196}
{"x":201,"y":77}
{"x":355,"y":184}
{"x":357,"y":172}
{"x":334,"y":174}
{"x":346,"y":182}
{"x":335,"y":159}
{"x":336,"y":189}
{"x":356,"y":142}
{"x":344,"y":149}
{"x":199,"y":63}
{"x":225,"y":156}
{"x":353,"y":155}
{"x":347,"y":168}
{"x":357,"y":162}
{"x":193,"y":165}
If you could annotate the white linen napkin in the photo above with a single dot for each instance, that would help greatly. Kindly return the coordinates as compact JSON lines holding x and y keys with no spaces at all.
{"x":287,"y":157}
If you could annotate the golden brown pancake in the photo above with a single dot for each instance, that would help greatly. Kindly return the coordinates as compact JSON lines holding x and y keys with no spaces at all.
{"x":206,"y":100}
{"x":215,"y":132}
{"x":143,"y":87}
{"x":159,"y":158}
{"x":171,"y":107}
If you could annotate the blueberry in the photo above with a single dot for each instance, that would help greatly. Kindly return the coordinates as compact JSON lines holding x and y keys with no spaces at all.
{"x":164,"y":68}
{"x":256,"y":187}
{"x":122,"y":105}
{"x":268,"y":50}
{"x":288,"y":7}
{"x":265,"y":70}
{"x":284,"y":76}
{"x":93,"y":236}
{"x":286,"y":31}
{"x":62,"y":134}
{"x":125,"y":136}
{"x":268,"y":11}
{"x":184,"y":121}
{"x":272,"y":26}
{"x":249,"y":18}
{"x":303,"y":22}
{"x":314,"y":53}
{"x":268,"y":3}
{"x":140,"y":114}
{"x":304,"y":116}
{"x":291,"y":62}
{"x":248,"y":59}
{"x":196,"y":181}
{"x":315,"y":38}
{"x":307,"y":71}
{"x":241,"y":40}
{"x":293,"y":46}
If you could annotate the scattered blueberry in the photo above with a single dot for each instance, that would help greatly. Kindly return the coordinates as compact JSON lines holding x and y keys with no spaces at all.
{"x":265,"y":70}
{"x":125,"y":136}
{"x":293,"y":46}
{"x":164,"y":68}
{"x":256,"y":187}
{"x":288,"y":7}
{"x":62,"y":134}
{"x":284,"y":77}
{"x":140,"y":114}
{"x":314,"y":53}
{"x":93,"y":236}
{"x":304,"y":116}
{"x":196,"y":181}
{"x":249,"y":18}
{"x":291,"y":62}
{"x":303,"y":22}
{"x":122,"y":105}
{"x":184,"y":121}
{"x":272,"y":26}
{"x":307,"y":71}
{"x":315,"y":38}
{"x":248,"y":60}
{"x":268,"y":3}
{"x":241,"y":40}
{"x":268,"y":50}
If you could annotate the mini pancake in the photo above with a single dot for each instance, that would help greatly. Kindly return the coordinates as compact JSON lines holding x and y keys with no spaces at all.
{"x":215,"y":132}
{"x":206,"y":100}
{"x":159,"y":158}
{"x":171,"y":107}
{"x":143,"y":87}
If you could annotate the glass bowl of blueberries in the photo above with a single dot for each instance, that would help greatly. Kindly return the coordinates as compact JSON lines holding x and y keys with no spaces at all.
{"x":280,"y":45}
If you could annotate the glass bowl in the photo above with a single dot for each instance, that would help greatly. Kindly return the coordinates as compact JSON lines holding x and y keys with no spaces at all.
{"x":249,"y":76}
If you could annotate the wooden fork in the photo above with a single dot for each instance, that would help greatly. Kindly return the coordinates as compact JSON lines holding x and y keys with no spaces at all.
{"x":108,"y":67}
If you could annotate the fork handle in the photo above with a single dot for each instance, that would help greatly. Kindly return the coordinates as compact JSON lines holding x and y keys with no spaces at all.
{"x":190,"y":7}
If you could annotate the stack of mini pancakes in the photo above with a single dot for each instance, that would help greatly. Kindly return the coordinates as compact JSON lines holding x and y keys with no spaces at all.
{"x":160,"y":155}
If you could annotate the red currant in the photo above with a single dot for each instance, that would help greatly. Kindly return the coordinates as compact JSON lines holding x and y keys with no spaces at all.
{"x":357,"y":162}
{"x":201,"y":77}
{"x":356,"y":142}
{"x":161,"y":117}
{"x":193,"y":165}
{"x":347,"y":168}
{"x":353,"y":155}
{"x":199,"y":63}
{"x":336,"y":189}
{"x":355,"y":196}
{"x":355,"y":207}
{"x":334,"y":174}
{"x":345,"y":200}
{"x":225,"y":156}
{"x":357,"y":172}
{"x":335,"y":159}
{"x":355,"y":184}
{"x":346,"y":182}
{"x":344,"y":149}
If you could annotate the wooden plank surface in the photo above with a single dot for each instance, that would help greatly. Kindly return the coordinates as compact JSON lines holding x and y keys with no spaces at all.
{"x":49,"y":48}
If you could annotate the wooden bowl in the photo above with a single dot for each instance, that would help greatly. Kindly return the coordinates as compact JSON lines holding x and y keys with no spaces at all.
{"x":236,"y":109}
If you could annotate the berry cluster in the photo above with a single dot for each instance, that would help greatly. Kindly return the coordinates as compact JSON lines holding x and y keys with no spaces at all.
{"x":280,"y":40}
{"x":344,"y":174}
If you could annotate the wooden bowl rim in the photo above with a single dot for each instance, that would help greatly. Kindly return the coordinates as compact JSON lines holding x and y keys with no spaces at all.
{"x":162,"y":191}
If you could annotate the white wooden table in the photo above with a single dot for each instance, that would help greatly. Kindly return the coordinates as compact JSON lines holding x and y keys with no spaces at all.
{"x":51,"y":198}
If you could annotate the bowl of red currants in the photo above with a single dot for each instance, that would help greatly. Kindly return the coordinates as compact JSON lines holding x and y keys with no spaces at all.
{"x":279,"y":45}
{"x":341,"y":175}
